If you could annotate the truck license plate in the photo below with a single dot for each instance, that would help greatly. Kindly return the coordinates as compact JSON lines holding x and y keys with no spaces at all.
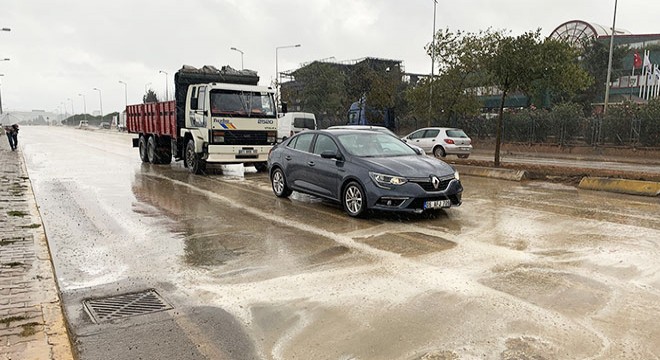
{"x":437,"y":204}
{"x":247,"y":151}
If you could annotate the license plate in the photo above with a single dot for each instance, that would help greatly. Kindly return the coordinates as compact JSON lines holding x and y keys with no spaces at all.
{"x":437,"y":204}
{"x":247,"y":152}
{"x":465,"y":148}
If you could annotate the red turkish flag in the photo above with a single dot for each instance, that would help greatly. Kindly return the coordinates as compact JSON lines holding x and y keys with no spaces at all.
{"x":637,"y":60}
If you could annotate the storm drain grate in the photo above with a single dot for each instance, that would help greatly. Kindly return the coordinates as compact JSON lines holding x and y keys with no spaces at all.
{"x":125,"y":305}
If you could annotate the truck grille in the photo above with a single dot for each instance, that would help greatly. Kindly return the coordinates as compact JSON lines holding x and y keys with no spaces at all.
{"x":246,"y":138}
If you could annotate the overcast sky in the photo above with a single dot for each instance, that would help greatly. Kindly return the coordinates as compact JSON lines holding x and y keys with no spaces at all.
{"x":62,"y":48}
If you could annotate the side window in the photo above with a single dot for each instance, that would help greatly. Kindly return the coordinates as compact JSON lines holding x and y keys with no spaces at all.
{"x":303,"y":143}
{"x":201,"y":99}
{"x":193,"y":98}
{"x":324,"y":143}
{"x":431,"y":133}
{"x":416,"y":135}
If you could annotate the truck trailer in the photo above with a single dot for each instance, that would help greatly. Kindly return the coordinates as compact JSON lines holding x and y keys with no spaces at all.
{"x":217,"y":116}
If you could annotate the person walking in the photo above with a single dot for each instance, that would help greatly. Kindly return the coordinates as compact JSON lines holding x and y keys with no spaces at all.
{"x":12,"y":136}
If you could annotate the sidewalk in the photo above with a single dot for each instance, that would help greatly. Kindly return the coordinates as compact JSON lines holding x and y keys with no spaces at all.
{"x":31,"y":322}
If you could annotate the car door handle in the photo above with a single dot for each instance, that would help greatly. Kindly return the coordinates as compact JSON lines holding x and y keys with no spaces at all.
{"x":311,"y":163}
{"x":288,"y":157}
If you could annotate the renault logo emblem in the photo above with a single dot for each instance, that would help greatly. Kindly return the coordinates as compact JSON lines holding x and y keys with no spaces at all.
{"x":435,"y":181}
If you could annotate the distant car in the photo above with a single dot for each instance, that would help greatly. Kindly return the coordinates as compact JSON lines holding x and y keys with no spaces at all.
{"x":382,"y":129}
{"x":83,"y":124}
{"x":104,"y":125}
{"x":441,"y":141}
{"x":362,"y":170}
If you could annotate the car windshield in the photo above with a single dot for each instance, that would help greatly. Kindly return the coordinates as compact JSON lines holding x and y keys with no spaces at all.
{"x":374,"y":144}
{"x":241,"y":103}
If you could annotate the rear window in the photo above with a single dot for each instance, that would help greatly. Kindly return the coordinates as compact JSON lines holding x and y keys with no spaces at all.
{"x":304,"y":123}
{"x":456,"y":134}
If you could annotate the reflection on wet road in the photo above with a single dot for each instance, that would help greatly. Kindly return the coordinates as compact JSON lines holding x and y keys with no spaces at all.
{"x":521,"y":270}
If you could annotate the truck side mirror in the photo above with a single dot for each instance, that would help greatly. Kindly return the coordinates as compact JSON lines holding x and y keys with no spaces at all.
{"x":284,"y":107}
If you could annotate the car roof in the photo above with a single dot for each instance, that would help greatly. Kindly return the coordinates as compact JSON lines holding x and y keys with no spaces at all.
{"x":358,"y":127}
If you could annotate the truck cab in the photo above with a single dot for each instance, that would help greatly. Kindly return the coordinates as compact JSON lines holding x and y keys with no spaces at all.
{"x":230,"y":123}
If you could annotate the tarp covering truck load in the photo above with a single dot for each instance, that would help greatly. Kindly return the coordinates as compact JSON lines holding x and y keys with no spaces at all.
{"x":217,"y":116}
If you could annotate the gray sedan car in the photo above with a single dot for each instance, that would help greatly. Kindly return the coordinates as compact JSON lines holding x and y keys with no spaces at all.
{"x":362,"y":170}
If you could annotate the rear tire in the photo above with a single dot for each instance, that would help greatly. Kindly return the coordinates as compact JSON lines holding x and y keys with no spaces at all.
{"x":439,"y":152}
{"x":196,"y":164}
{"x":278,"y":183}
{"x":152,"y":155}
{"x":142,"y":145}
{"x":353,"y":200}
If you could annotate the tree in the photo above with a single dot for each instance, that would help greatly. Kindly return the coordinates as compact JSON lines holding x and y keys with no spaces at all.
{"x":594,"y":60}
{"x":150,"y":97}
{"x":460,"y":60}
{"x":527,"y":64}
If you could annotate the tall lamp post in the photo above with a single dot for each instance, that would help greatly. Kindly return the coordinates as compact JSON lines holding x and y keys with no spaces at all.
{"x":125,"y":93}
{"x":277,"y":71}
{"x":100,"y":102}
{"x":73,"y":112}
{"x":235,"y":49}
{"x":84,"y":106}
{"x":167,"y":96}
{"x":435,"y":2}
{"x":609,"y":63}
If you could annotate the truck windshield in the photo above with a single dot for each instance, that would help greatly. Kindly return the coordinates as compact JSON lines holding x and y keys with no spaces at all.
{"x":242,"y":103}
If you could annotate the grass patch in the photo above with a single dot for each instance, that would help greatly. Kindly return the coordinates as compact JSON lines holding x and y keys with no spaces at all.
{"x":31,"y":226}
{"x":17,"y":213}
{"x":29,"y":329}
{"x":8,"y":320}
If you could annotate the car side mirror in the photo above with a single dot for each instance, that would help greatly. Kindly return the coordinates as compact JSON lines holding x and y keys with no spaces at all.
{"x":329,"y":154}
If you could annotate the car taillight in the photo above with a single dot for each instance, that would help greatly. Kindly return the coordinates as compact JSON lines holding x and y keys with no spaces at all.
{"x":449,"y":141}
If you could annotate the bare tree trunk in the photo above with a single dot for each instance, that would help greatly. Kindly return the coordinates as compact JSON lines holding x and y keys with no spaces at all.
{"x":498,"y":138}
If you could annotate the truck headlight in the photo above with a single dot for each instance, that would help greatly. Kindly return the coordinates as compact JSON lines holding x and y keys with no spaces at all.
{"x":385,"y":181}
{"x":218,"y":137}
{"x":272,"y":137}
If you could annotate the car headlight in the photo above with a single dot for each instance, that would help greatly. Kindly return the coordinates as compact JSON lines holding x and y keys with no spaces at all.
{"x":456,"y":176}
{"x":384,"y":181}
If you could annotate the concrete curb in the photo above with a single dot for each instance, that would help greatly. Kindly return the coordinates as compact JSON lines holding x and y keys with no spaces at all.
{"x":496,"y":173}
{"x":623,"y":186}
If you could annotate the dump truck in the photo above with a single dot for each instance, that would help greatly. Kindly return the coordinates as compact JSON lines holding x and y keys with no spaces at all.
{"x":217,"y":116}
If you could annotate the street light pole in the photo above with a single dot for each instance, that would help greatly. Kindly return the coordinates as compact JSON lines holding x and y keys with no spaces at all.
{"x":167,"y":96}
{"x":125,"y":94}
{"x":100,"y":102}
{"x":609,"y":63}
{"x":435,"y":2}
{"x":84,"y":106}
{"x":277,"y":72}
{"x":235,"y":49}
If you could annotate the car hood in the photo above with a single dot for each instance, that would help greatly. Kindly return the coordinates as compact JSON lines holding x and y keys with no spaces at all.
{"x":409,"y":166}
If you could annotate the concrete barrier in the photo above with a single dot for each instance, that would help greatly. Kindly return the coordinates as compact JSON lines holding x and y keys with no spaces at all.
{"x":496,"y":173}
{"x":633,"y":187}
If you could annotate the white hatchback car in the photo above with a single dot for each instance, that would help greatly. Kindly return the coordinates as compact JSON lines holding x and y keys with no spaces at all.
{"x":441,"y":141}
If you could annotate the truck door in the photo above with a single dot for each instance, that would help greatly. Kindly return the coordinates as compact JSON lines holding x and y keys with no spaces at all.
{"x":198,"y":109}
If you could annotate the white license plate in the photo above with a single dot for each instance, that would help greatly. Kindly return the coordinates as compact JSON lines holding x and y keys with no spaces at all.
{"x":465,"y":148}
{"x":247,"y":152}
{"x":437,"y":204}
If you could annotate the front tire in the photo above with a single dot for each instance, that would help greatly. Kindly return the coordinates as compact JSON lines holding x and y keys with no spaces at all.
{"x":196,"y":164}
{"x":353,"y":199}
{"x":439,"y":152}
{"x":142,"y":145}
{"x":278,"y":182}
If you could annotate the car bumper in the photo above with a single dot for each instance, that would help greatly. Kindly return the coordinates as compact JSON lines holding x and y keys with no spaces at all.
{"x":411,"y":197}
{"x":458,"y":149}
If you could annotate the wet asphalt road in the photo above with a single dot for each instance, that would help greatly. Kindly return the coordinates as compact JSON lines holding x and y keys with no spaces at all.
{"x":520,"y":271}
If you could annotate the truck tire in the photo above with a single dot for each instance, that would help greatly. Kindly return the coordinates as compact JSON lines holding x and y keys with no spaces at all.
{"x":196,"y":164}
{"x":152,"y":155}
{"x":142,"y":146}
{"x":261,"y":166}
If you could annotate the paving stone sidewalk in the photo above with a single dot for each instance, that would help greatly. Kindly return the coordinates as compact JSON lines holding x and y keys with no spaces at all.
{"x":31,"y":321}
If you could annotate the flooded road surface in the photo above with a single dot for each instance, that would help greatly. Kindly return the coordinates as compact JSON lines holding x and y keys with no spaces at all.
{"x":520,"y":271}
